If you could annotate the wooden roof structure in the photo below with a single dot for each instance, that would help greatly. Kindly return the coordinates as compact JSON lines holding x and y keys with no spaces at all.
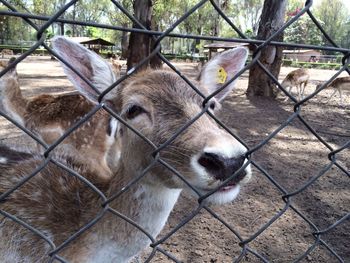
{"x":97,"y":41}
{"x":95,"y":44}
{"x":221,"y":46}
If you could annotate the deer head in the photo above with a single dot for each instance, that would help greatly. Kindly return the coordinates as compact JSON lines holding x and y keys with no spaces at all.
{"x":158,"y":103}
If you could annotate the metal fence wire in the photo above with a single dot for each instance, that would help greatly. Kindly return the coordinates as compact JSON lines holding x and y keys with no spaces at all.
{"x":157,"y":245}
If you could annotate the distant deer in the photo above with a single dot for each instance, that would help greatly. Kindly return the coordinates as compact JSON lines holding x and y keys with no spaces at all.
{"x":4,"y":63}
{"x":116,"y":66}
{"x":296,"y":78}
{"x":156,"y":103}
{"x":6,"y":52}
{"x":337,"y":85}
{"x":50,"y":116}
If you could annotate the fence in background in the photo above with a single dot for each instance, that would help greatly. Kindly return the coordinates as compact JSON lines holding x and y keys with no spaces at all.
{"x":159,"y":36}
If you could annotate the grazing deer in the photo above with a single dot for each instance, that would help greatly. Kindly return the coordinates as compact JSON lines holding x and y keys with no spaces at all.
{"x":50,"y":116}
{"x":298,"y":78}
{"x":337,"y":85}
{"x":156,"y":103}
{"x":6,"y":52}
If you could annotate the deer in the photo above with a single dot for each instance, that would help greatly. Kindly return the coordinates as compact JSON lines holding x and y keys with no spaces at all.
{"x":156,"y":103}
{"x":3,"y":64}
{"x":116,"y":66}
{"x":337,"y":85}
{"x":49,"y":116}
{"x":6,"y":52}
{"x":298,"y":78}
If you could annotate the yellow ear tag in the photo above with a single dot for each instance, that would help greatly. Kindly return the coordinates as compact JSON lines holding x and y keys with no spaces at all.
{"x":221,"y":76}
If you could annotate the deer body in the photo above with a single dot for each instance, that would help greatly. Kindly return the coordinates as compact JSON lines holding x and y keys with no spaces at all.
{"x":156,"y":103}
{"x":6,"y":52}
{"x":337,"y":85}
{"x":296,"y":78}
{"x":58,"y":220}
{"x":116,"y":66}
{"x":50,"y":116}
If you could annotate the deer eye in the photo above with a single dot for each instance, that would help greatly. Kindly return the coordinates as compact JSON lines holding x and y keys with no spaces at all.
{"x":212,"y":105}
{"x":134,"y":111}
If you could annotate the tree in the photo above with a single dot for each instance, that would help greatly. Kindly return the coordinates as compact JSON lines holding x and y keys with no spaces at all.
{"x":250,"y":11}
{"x":272,"y":18}
{"x":13,"y":29}
{"x":117,"y":17}
{"x":334,"y":16}
{"x":139,"y":44}
{"x":303,"y":31}
{"x":346,"y":40}
{"x":42,"y":7}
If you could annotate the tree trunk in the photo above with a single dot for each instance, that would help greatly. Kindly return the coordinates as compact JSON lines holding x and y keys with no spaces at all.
{"x":199,"y":32}
{"x":272,"y":18}
{"x":2,"y":29}
{"x":139,"y":44}
{"x":62,"y":28}
{"x":124,"y":42}
{"x":155,"y":61}
{"x":216,"y":22}
{"x":172,"y":45}
{"x":74,"y":17}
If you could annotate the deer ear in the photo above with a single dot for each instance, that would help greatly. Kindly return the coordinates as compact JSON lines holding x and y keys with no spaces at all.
{"x":221,"y":69}
{"x":88,"y":64}
{"x":12,"y":72}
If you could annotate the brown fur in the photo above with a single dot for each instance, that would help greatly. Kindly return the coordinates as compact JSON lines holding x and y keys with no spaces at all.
{"x":294,"y":75}
{"x":3,"y":64}
{"x":339,"y":84}
{"x":6,"y":52}
{"x":58,"y":204}
{"x":298,"y":78}
{"x":116,"y":66}
{"x":48,"y":115}
{"x":58,"y":198}
{"x":69,"y":203}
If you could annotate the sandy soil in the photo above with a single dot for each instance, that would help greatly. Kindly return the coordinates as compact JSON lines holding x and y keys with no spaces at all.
{"x":291,"y":158}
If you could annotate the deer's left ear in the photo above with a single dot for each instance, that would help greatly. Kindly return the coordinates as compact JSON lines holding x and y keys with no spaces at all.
{"x":221,"y":69}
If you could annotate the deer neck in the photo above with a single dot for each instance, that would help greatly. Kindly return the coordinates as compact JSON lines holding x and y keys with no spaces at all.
{"x":146,"y":204}
{"x":145,"y":201}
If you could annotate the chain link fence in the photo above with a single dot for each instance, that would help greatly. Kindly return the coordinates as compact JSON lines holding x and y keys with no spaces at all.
{"x":318,"y":233}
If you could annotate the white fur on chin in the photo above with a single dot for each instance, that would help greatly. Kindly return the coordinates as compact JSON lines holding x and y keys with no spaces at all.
{"x":223,"y":197}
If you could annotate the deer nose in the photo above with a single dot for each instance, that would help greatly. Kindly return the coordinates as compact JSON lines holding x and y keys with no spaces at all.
{"x":220,"y":167}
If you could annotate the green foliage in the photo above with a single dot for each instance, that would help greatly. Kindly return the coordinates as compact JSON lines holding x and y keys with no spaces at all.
{"x":185,"y":57}
{"x":245,"y":14}
{"x":300,"y":64}
{"x":293,"y":7}
{"x":287,"y":62}
{"x":249,"y":12}
{"x":13,"y":30}
{"x":334,"y":16}
{"x":303,"y":31}
{"x":92,"y":32}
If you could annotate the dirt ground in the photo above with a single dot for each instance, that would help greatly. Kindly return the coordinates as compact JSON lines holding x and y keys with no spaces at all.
{"x":291,"y":158}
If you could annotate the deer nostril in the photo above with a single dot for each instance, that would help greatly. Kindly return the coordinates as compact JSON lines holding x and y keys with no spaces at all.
{"x":211,"y":162}
{"x":235,"y":163}
{"x":221,"y":168}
